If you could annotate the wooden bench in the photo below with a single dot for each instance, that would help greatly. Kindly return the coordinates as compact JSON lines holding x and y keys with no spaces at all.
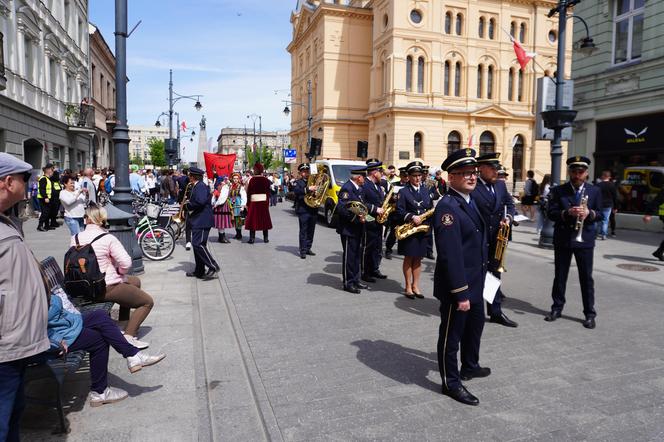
{"x":57,"y":369}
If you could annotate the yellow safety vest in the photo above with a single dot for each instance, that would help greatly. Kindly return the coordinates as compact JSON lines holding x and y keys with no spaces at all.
{"x":49,"y":187}
{"x":56,"y":185}
{"x":661,"y":210}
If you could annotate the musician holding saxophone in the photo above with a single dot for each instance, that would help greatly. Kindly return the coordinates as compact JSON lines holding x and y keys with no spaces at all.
{"x":574,"y":207}
{"x":372,"y":241}
{"x":497,"y":208}
{"x":352,"y":217}
{"x":306,"y":214}
{"x":414,"y":207}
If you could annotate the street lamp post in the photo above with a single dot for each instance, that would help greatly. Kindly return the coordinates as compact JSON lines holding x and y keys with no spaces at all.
{"x":560,"y":118}
{"x":255,"y":117}
{"x":177,"y":115}
{"x":310,"y":117}
{"x":171,"y":102}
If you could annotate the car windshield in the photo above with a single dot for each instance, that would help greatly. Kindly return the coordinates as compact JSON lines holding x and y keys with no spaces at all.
{"x":342,"y":172}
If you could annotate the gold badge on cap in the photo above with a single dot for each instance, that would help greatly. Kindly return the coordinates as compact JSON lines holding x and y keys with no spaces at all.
{"x":469,"y":152}
{"x":577,"y":159}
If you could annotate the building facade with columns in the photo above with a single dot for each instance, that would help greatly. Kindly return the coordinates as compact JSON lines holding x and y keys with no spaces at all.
{"x":418,"y":79}
{"x":44,"y":111}
{"x":102,"y":73}
{"x":236,"y":139}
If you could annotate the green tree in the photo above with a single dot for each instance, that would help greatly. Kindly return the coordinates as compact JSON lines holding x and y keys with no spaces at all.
{"x":270,"y":162}
{"x":157,"y":152}
{"x":136,"y":160}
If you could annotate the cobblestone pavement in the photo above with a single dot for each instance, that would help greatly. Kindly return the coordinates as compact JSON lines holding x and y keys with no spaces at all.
{"x":275,"y":350}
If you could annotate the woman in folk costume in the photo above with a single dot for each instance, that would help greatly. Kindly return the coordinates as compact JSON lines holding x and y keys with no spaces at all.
{"x":237,"y":200}
{"x":258,"y":211}
{"x":221,"y":210}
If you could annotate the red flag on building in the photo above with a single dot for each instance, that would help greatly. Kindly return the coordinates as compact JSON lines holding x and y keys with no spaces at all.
{"x":521,"y":55}
{"x":220,"y":163}
{"x":183,"y":126}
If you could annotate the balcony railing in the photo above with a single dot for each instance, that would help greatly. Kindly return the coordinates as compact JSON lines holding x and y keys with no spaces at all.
{"x":3,"y":79}
{"x":80,"y":117}
{"x":111,"y":117}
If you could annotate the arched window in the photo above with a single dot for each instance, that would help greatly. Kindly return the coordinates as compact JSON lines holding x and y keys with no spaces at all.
{"x":517,"y":157}
{"x":520,"y":86}
{"x":510,"y":85}
{"x":457,"y":79}
{"x":522,"y":33}
{"x":420,"y":75}
{"x":492,"y":28}
{"x":480,"y":29}
{"x":487,"y":143}
{"x":459,"y":24}
{"x":417,"y":144}
{"x":453,"y":142}
{"x":489,"y":83}
{"x":513,"y":29}
{"x":409,"y":74}
{"x":446,"y":78}
{"x":480,"y":71}
{"x":448,"y":23}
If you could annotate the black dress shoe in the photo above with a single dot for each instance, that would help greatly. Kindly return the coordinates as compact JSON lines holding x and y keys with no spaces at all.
{"x":351,"y":289}
{"x":310,"y":253}
{"x":303,"y":255}
{"x":388,"y":255}
{"x":479,"y":372}
{"x":589,"y":323}
{"x":368,"y":278}
{"x":266,"y":241}
{"x":41,"y":229}
{"x":379,"y":275}
{"x":251,"y":241}
{"x":409,"y":295}
{"x":430,"y":255}
{"x":552,"y":316}
{"x":503,"y":320}
{"x":462,"y":395}
{"x":359,"y":285}
{"x":659,"y":255}
{"x":210,"y":274}
{"x":193,"y":275}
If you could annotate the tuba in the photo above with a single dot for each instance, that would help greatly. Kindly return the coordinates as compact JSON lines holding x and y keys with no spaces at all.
{"x":501,"y":246}
{"x":322,"y":182}
{"x":408,"y":229}
{"x":388,"y":207}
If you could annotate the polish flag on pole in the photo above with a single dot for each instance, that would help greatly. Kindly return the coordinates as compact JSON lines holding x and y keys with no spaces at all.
{"x":183,"y":126}
{"x":471,"y":141}
{"x":521,"y":55}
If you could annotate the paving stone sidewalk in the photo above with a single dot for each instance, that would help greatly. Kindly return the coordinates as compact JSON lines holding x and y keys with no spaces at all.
{"x":276,"y":351}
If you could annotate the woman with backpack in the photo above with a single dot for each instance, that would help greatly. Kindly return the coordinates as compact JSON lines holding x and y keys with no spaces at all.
{"x":95,"y":332}
{"x":115,"y":263}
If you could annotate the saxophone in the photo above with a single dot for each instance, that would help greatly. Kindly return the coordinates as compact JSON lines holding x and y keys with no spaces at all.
{"x":408,"y":229}
{"x":579,"y":221}
{"x":322,"y":182}
{"x":180,"y":217}
{"x":388,"y":207}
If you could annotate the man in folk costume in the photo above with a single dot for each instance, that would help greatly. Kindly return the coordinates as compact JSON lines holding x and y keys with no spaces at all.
{"x":258,"y":211}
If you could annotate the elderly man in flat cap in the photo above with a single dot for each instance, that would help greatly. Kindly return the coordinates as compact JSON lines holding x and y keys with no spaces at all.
{"x":23,"y":305}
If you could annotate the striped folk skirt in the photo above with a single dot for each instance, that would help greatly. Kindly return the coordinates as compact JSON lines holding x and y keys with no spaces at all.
{"x":222,"y":217}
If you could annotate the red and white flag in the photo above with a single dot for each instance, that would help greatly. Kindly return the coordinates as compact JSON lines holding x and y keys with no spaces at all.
{"x":521,"y":55}
{"x":183,"y":126}
{"x":471,"y":141}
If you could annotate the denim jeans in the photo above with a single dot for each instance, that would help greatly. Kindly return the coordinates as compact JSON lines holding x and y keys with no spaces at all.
{"x":76,"y":225}
{"x":603,"y":227}
{"x":12,"y":400}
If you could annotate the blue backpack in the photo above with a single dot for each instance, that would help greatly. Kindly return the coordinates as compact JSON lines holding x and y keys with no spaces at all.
{"x":107,"y":184}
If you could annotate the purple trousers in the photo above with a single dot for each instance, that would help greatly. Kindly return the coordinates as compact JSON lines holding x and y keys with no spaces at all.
{"x":98,"y":333}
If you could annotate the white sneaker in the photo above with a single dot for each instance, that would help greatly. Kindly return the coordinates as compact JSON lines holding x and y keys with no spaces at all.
{"x":140,"y":360}
{"x":187,"y":246}
{"x":110,"y":395}
{"x":141,"y":345}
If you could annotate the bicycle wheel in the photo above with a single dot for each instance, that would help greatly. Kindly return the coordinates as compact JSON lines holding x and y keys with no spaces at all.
{"x":157,"y":244}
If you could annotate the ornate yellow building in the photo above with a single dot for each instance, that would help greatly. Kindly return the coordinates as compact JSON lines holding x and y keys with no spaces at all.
{"x":418,"y":78}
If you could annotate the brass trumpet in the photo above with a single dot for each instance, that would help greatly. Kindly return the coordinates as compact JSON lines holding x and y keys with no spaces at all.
{"x":501,"y":246}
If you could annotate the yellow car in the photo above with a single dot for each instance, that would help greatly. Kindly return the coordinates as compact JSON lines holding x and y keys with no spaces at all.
{"x":339,"y":171}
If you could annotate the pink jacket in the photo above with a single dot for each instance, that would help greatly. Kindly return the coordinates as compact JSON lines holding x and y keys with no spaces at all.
{"x":111,"y":255}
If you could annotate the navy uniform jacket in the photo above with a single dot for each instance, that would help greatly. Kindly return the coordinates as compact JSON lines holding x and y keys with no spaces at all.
{"x":300,"y":191}
{"x":349,"y":223}
{"x":461,"y":242}
{"x":561,"y":199}
{"x":412,"y":202}
{"x":492,"y":209}
{"x":374,"y":195}
{"x":200,"y":207}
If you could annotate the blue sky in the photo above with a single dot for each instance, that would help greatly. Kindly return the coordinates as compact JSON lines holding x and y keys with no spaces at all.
{"x":231,"y":52}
